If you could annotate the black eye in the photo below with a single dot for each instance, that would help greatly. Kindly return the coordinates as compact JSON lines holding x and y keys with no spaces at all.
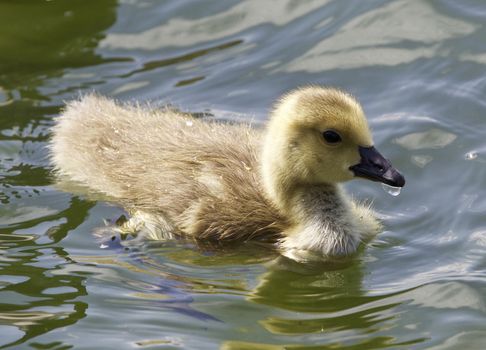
{"x":331,"y":136}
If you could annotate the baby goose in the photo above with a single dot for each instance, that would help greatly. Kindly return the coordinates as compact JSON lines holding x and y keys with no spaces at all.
{"x":182,"y":176}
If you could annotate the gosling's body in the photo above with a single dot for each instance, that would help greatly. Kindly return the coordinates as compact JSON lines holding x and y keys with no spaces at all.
{"x":200,"y":177}
{"x":182,"y":176}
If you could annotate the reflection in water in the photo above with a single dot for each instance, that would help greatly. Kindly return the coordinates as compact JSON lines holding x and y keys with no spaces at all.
{"x":35,"y":217}
{"x":186,"y":32}
{"x":162,"y":290}
{"x":400,"y":32}
{"x":148,"y":66}
{"x":433,"y":138}
{"x":325,"y":299}
{"x":421,"y":160}
{"x":66,"y":35}
{"x":41,"y":302}
{"x":376,"y":343}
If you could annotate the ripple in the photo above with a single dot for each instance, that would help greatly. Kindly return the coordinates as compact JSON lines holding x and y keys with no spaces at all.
{"x":377,"y":37}
{"x":421,"y":160}
{"x":59,"y":290}
{"x":4,"y":98}
{"x":9,"y":334}
{"x":23,"y":318}
{"x":172,"y":341}
{"x":17,"y":299}
{"x":463,"y":340}
{"x":12,"y":279}
{"x":447,"y":295}
{"x":187,"y":32}
{"x":130,"y":86}
{"x":431,"y":139}
{"x":14,"y":238}
{"x":149,"y":66}
{"x":28,"y":213}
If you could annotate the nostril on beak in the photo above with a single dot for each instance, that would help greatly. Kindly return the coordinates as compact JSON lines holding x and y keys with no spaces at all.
{"x":380,"y":166}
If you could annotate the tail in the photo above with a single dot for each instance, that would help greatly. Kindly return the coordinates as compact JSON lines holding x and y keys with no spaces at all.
{"x":77,"y":138}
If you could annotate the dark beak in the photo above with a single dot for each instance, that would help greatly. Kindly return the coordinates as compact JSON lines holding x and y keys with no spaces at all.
{"x":375,"y":167}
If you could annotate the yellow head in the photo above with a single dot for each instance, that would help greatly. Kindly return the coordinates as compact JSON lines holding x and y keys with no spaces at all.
{"x":320,"y":135}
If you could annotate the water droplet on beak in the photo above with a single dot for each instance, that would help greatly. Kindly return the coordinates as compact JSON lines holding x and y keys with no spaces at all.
{"x":471,"y":155}
{"x":393,"y":191}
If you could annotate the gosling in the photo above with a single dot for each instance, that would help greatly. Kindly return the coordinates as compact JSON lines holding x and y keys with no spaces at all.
{"x":185,"y":177}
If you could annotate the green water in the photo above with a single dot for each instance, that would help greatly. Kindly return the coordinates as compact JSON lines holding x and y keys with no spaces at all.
{"x":418,"y":68}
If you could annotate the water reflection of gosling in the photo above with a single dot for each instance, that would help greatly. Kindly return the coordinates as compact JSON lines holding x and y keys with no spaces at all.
{"x":214,"y":181}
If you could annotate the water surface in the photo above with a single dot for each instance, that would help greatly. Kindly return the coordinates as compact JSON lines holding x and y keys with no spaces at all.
{"x":416,"y":66}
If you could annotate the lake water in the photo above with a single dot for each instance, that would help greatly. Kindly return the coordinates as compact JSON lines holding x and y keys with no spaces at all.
{"x":418,"y":67}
